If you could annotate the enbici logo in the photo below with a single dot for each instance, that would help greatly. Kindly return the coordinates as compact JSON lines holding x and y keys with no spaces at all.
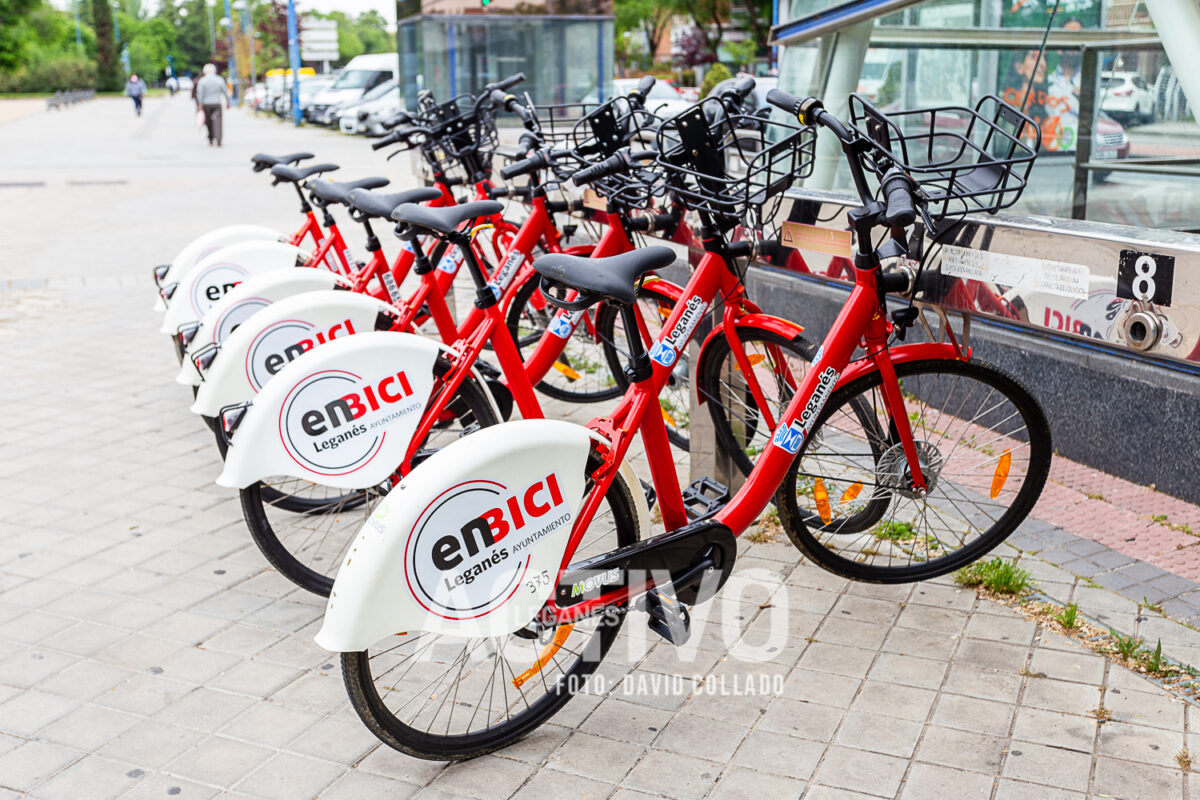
{"x":333,"y":422}
{"x":470,"y":549}
{"x":212,"y":284}
{"x":282,"y":342}
{"x":235,"y":315}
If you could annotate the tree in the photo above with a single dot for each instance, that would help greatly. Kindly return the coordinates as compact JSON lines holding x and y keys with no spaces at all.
{"x":648,"y":18}
{"x":271,"y":22}
{"x":742,"y":53}
{"x":692,"y":50}
{"x":718,"y":73}
{"x":107,"y":78}
{"x":191,"y":46}
{"x":12,"y":43}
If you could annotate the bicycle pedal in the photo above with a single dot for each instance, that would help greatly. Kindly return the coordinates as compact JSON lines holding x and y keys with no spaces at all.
{"x":668,"y":617}
{"x":704,"y":497}
{"x":651,"y":495}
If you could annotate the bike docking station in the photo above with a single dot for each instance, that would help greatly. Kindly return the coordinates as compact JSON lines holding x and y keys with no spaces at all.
{"x":1105,"y":317}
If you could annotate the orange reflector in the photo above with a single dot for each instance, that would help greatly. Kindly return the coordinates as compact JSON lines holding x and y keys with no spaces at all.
{"x":850,"y":494}
{"x":664,"y":312}
{"x":560,"y":638}
{"x":565,"y":370}
{"x":754,"y":360}
{"x":821,"y":495}
{"x":1000,"y":476}
{"x":667,"y":417}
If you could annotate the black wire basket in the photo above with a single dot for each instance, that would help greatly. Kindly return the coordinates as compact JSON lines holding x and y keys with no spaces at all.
{"x":964,"y":159}
{"x":460,"y":134}
{"x":732,"y":166}
{"x":612,"y":126}
{"x":557,"y":122}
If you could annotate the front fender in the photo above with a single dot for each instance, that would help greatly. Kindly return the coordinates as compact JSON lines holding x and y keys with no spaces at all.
{"x":469,"y":543}
{"x":276,"y":336}
{"x":341,"y":415}
{"x":214,"y":276}
{"x":777,"y":325}
{"x":901,"y":355}
{"x":207,"y":244}
{"x":244,"y":301}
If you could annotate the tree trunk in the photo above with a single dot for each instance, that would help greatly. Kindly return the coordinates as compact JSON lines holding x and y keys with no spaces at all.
{"x":107,"y":78}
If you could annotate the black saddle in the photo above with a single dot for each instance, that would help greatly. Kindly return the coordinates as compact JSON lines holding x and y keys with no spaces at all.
{"x":263,"y":160}
{"x":447,"y":219}
{"x":613,"y":278}
{"x":374,"y":204}
{"x":297,"y":174}
{"x":325,"y":192}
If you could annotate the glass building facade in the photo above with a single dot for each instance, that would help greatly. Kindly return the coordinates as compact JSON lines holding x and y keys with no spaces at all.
{"x":565,"y":57}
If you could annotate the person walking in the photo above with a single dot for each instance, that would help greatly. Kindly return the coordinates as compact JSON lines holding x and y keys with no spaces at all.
{"x":136,"y":88}
{"x":211,"y":92}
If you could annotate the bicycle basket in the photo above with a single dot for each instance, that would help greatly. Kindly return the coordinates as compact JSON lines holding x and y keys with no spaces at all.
{"x":730,"y":165}
{"x":460,"y":136}
{"x":608,"y":128}
{"x":964,"y":159}
{"x":557,"y":122}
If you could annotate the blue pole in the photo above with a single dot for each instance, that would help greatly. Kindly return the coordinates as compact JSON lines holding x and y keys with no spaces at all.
{"x":233,"y":73}
{"x":78,"y":35}
{"x":294,"y":59}
{"x":774,"y":22}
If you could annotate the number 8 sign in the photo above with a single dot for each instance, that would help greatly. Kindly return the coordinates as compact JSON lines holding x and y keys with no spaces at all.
{"x":1146,"y":277}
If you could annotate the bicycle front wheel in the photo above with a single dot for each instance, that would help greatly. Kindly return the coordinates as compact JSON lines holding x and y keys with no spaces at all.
{"x":445,"y":697}
{"x":983,"y":445}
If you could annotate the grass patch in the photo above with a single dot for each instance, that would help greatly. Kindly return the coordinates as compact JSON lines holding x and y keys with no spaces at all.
{"x":768,"y":528}
{"x":995,"y":575}
{"x":1184,"y":759}
{"x":1102,"y":713}
{"x":1125,"y":646}
{"x":1068,"y":617}
{"x":1178,"y":527}
{"x":895,"y":531}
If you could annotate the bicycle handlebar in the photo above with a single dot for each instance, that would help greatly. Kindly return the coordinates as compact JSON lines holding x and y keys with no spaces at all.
{"x":525,"y":166}
{"x":898,"y":197}
{"x":402,"y":118}
{"x":621,"y":161}
{"x":505,"y":84}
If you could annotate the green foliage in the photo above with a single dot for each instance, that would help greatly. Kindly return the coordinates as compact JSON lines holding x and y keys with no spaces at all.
{"x":1126,"y":646}
{"x":716,"y":74}
{"x":995,"y":575}
{"x":1068,"y":616}
{"x":896,"y":531}
{"x":1153,"y":661}
{"x":742,"y":53}
{"x":64,"y":72}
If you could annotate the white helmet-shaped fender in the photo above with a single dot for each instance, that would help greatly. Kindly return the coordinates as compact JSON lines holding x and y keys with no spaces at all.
{"x":469,"y":543}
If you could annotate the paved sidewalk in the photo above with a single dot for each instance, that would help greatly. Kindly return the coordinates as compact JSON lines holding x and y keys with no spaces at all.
{"x":146,"y":651}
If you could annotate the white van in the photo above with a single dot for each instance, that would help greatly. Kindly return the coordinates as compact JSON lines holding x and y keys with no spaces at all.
{"x":359,"y":76}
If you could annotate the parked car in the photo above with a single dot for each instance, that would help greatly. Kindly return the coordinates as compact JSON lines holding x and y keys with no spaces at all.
{"x":186,"y":83}
{"x":1126,"y":97}
{"x":362,"y":74}
{"x":309,"y":88}
{"x":664,"y":99}
{"x":1109,"y":142}
{"x":368,"y":114}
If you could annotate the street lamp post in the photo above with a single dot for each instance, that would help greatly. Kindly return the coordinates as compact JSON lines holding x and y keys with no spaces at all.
{"x":248,"y":31}
{"x":294,"y":59}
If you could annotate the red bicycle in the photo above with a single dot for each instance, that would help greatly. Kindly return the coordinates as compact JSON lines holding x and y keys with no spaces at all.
{"x":891,"y":462}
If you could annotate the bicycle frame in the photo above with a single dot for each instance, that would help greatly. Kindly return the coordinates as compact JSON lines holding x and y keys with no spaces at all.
{"x":860,"y":320}
{"x":484,"y":325}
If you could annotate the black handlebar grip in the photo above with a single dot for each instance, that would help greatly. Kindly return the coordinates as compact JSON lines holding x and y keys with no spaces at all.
{"x":898,"y":196}
{"x":448,"y":181}
{"x":511,"y":81}
{"x":788,"y":102}
{"x":768,"y":248}
{"x":496,"y":192}
{"x":527,"y":142}
{"x":387,"y":141}
{"x":522,"y":167}
{"x":598,"y":170}
{"x":645,"y":85}
{"x":502,"y":99}
{"x":402,"y":118}
{"x":742,"y":87}
{"x":562,"y":206}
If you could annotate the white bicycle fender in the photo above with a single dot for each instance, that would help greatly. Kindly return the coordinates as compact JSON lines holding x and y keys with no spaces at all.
{"x":246,"y":300}
{"x":208,"y":243}
{"x":214,"y":276}
{"x":280,"y":333}
{"x":341,"y":415}
{"x":469,"y":543}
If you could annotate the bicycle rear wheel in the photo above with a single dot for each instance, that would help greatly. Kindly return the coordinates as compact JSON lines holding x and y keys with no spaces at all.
{"x":304,"y":528}
{"x":983,"y":444}
{"x":444,"y":697}
{"x":779,"y":364}
{"x":675,"y":400}
{"x":581,"y":374}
